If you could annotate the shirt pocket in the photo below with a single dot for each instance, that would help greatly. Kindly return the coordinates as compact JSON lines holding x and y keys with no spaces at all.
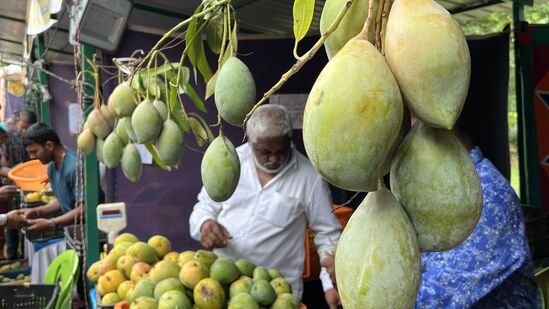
{"x":277,"y":209}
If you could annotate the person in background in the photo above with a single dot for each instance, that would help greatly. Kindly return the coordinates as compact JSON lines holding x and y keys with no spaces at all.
{"x":278,"y":194}
{"x":12,"y":153}
{"x":492,"y":268}
{"x":41,"y":142}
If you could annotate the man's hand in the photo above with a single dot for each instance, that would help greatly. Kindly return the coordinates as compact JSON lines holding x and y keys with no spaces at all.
{"x":16,"y":219}
{"x":31,"y":213}
{"x":329,"y":262}
{"x":332,"y":298}
{"x":8,"y":191}
{"x":39,"y":224}
{"x":214,"y":235}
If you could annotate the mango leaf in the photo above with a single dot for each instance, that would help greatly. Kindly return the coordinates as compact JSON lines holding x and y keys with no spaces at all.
{"x":156,"y":159}
{"x":209,"y":132}
{"x":136,"y":82}
{"x":303,"y":16}
{"x":195,"y":98}
{"x":200,"y":135}
{"x":210,"y":86}
{"x":176,"y":111}
{"x":195,"y":47}
{"x":234,"y":37}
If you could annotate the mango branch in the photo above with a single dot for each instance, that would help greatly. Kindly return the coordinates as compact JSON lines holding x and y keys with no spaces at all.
{"x":379,"y":16}
{"x":302,"y":60}
{"x":366,"y":29}
{"x":384,"y":18}
{"x":213,"y":7}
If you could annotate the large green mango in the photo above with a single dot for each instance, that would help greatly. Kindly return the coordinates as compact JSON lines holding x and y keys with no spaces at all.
{"x":428,"y":54}
{"x":350,"y":25}
{"x":146,"y":122}
{"x":121,"y":130}
{"x":377,"y":259}
{"x":220,"y":169}
{"x":170,"y":143}
{"x":352,"y":117}
{"x":234,"y":91}
{"x":122,"y":100}
{"x":112,"y":150}
{"x":131,"y":163}
{"x":404,"y":128}
{"x":435,"y":180}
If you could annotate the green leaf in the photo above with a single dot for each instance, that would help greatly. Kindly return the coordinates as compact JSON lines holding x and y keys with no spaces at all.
{"x":176,"y":111}
{"x":195,"y":98}
{"x":234,"y":37}
{"x":209,"y":132}
{"x":195,"y":47}
{"x":200,"y":135}
{"x":303,"y":16}
{"x":156,"y":159}
{"x":210,"y":86}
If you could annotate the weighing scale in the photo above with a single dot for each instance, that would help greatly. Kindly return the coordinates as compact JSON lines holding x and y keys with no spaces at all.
{"x":111,"y":218}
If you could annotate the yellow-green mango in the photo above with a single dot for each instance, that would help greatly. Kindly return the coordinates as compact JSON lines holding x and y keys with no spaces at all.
{"x":122,"y":100}
{"x":112,"y":150}
{"x":131,"y":163}
{"x":121,"y":131}
{"x":129,"y":128}
{"x":146,"y":122}
{"x":234,"y":91}
{"x":377,"y":258}
{"x":108,"y":115}
{"x":352,"y":117}
{"x":220,"y":169}
{"x":428,"y":54}
{"x":99,"y":143}
{"x":170,"y":143}
{"x":97,"y":124}
{"x":404,"y":128}
{"x":435,"y":180}
{"x":86,"y":141}
{"x":161,"y":108}
{"x":350,"y":25}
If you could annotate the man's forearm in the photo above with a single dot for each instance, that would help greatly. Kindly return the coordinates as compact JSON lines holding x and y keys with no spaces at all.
{"x":4,"y":171}
{"x":48,"y":210}
{"x":68,"y":218}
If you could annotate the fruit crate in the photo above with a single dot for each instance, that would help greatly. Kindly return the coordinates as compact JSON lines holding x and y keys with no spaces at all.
{"x":50,"y":233}
{"x":33,"y":296}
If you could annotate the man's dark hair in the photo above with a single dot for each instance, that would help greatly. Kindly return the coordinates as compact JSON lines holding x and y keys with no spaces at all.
{"x":27,"y":116}
{"x":40,"y":133}
{"x":3,"y":132}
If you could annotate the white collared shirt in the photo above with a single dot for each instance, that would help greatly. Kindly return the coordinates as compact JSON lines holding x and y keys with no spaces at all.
{"x":268,"y":224}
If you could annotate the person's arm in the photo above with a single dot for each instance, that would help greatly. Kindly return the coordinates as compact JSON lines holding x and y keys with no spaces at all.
{"x":4,"y":171}
{"x":13,"y":219}
{"x":41,"y":224}
{"x":203,"y":223}
{"x":321,"y":219}
{"x":47,"y":210}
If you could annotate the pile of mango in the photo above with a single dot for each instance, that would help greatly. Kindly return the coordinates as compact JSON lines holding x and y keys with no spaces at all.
{"x":10,"y":267}
{"x":20,"y":279}
{"x":39,"y":196}
{"x":150,"y":275}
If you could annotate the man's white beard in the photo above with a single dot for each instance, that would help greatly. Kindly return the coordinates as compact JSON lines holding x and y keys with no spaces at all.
{"x":270,"y":171}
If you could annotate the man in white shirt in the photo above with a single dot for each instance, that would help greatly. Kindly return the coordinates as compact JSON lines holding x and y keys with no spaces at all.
{"x":278,"y":194}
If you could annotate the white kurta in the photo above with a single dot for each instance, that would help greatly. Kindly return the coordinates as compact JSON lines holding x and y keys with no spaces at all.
{"x":268,"y":224}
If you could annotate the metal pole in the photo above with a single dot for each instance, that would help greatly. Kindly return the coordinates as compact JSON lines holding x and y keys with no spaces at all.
{"x":91,"y":170}
{"x":530,"y":193}
{"x":40,"y":51}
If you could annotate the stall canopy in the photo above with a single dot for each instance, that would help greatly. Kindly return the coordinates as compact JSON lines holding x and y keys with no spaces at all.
{"x":258,"y":17}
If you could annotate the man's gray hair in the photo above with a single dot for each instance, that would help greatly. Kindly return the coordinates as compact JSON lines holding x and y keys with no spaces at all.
{"x":269,"y":121}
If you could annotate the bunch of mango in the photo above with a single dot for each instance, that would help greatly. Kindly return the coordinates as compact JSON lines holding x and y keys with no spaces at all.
{"x":399,"y":58}
{"x":150,"y":275}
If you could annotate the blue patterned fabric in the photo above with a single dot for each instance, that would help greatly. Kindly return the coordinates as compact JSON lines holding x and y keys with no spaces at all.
{"x":493,"y":267}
